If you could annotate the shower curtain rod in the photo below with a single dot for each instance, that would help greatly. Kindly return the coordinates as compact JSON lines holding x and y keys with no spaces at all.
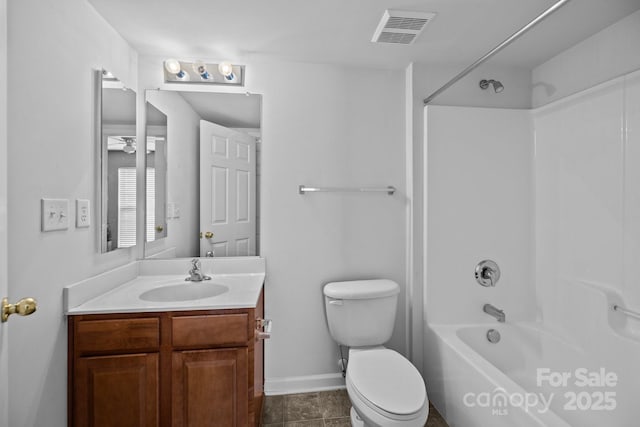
{"x":496,"y":49}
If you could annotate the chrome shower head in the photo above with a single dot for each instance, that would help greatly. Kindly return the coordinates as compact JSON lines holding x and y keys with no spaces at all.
{"x":497,"y":86}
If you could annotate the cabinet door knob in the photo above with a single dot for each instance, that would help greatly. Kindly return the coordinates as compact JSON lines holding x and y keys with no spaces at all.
{"x":24,"y":307}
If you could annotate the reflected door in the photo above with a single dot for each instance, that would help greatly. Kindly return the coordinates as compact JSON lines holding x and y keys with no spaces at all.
{"x":227,"y":191}
{"x":4,"y":287}
{"x":4,"y":292}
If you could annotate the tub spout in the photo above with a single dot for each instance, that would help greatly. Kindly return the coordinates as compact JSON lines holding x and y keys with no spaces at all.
{"x":495,"y":312}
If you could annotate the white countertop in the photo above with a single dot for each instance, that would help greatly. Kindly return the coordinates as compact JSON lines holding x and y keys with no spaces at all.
{"x":118,"y":291}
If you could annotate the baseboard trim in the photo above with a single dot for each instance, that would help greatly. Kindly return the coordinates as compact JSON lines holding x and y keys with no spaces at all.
{"x":303,"y":384}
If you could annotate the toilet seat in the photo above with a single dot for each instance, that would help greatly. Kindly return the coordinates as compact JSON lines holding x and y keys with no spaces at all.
{"x":387,"y":383}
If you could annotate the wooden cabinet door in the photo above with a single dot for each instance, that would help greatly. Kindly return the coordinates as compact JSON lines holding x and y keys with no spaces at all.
{"x":116,"y":391}
{"x":210,"y":388}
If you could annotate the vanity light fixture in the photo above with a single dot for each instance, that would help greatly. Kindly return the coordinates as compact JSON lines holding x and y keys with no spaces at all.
{"x":223,"y":73}
{"x":226,"y":69}
{"x":201,"y":69}
{"x":173,"y":66}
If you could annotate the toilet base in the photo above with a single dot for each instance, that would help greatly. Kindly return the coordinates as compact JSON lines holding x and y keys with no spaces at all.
{"x":356,"y":421}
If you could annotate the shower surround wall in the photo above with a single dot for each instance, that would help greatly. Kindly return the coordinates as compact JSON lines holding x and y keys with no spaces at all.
{"x":479,"y":206}
{"x":588,"y":214}
{"x":553,"y":195}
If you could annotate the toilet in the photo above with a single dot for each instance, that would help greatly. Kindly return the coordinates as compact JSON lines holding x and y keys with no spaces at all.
{"x":385,"y":389}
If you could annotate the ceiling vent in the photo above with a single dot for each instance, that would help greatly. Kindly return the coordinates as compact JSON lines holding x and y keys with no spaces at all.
{"x":401,"y":26}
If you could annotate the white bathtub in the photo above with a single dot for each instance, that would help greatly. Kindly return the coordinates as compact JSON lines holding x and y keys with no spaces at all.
{"x":529,"y":378}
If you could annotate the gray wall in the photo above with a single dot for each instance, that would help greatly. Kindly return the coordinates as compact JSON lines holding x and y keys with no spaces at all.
{"x":52,"y":153}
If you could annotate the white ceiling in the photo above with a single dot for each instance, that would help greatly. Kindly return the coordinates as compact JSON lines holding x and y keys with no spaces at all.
{"x":231,"y":110}
{"x":118,"y":107}
{"x":339,"y":31}
{"x":226,"y":109}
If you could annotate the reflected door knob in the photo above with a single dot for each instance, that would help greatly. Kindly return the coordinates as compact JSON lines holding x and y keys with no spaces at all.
{"x":24,"y":307}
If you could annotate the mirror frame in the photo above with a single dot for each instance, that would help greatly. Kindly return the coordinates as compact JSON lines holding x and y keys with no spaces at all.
{"x":102,"y":168}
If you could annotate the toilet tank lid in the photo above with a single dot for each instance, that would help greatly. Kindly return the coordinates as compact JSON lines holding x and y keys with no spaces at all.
{"x":361,"y":289}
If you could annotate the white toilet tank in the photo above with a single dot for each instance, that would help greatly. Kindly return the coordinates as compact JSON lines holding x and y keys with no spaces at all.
{"x":361,"y":312}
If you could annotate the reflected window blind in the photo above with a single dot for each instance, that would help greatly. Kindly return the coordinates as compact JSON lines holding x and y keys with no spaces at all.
{"x":151,"y":204}
{"x":126,"y":207}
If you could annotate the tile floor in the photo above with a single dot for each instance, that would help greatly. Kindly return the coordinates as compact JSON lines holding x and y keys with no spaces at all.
{"x":323,"y":409}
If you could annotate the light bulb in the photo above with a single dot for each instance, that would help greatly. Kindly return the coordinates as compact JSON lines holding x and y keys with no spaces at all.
{"x":173,"y":66}
{"x":226,"y":69}
{"x":200,"y":68}
{"x":129,"y":145}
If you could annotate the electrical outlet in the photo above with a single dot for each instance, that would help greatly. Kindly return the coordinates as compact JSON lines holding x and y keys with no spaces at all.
{"x":83,"y":213}
{"x":55,"y":214}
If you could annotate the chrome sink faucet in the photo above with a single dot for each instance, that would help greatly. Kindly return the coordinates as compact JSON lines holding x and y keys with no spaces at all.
{"x":495,"y":312}
{"x":195,"y":274}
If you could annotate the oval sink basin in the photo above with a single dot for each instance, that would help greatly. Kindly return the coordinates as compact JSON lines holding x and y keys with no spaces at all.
{"x":184,"y":292}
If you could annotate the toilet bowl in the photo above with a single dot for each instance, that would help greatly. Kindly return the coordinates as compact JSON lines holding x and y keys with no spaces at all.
{"x":385,"y":389}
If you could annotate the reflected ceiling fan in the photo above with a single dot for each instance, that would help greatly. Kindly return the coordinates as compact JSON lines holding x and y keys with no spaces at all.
{"x":128,"y":144}
{"x":124,"y":143}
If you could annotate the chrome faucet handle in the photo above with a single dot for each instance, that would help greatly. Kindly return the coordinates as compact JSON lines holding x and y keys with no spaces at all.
{"x":195,"y":273}
{"x":487,"y":273}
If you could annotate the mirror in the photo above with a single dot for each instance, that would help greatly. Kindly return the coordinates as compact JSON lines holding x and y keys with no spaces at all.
{"x":156,"y":192}
{"x":212,"y":176}
{"x":117,"y":144}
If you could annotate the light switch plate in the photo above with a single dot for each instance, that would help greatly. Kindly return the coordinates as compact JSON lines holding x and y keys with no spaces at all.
{"x":170,"y":207}
{"x":55,"y":214}
{"x":83,"y":213}
{"x":173,"y":210}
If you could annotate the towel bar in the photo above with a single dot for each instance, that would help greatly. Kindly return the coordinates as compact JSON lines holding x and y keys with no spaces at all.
{"x":304,"y":189}
{"x":626,"y":311}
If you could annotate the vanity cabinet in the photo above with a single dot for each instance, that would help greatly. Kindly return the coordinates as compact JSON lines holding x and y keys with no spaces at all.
{"x":179,"y":369}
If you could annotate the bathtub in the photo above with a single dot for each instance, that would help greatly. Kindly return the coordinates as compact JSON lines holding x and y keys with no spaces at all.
{"x":531,"y":377}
